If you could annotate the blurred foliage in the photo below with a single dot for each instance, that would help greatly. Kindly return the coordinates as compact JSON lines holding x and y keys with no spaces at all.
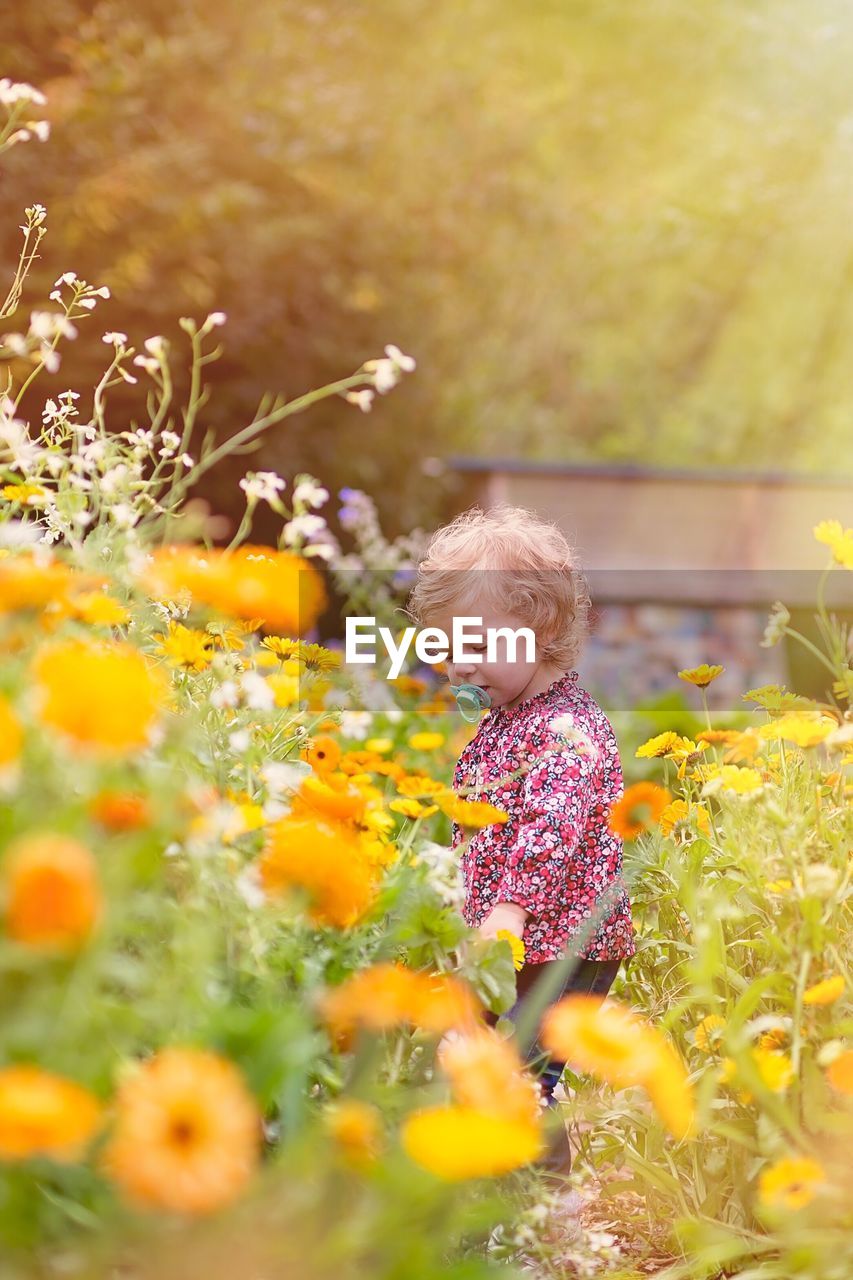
{"x":606,"y":231}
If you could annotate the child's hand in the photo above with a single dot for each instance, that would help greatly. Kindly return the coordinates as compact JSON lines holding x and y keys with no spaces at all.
{"x":506,"y":915}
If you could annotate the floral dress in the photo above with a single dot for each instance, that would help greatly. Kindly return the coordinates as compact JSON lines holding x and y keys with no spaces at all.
{"x":556,"y":856}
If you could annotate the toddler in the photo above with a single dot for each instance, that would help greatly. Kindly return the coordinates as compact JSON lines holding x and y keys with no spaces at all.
{"x":544,"y":752}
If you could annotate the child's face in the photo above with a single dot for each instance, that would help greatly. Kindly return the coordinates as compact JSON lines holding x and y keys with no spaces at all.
{"x":504,"y":680}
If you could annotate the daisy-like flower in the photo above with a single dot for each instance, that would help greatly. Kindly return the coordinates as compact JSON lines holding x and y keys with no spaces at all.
{"x":42,"y":1114}
{"x":638,"y":809}
{"x":516,"y":946}
{"x":658,"y":747}
{"x":732,"y":778}
{"x":708,"y":1032}
{"x":826,"y":992}
{"x":678,"y":817}
{"x":790,"y":1183}
{"x":838,"y":539}
{"x":186,"y":647}
{"x":187,"y":1134}
{"x":802,"y":730}
{"x":702,"y":675}
{"x":776,"y":625}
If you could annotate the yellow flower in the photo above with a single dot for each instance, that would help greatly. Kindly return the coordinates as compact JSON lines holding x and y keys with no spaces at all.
{"x":474,"y":813}
{"x":99,"y":610}
{"x":285,"y":689}
{"x":26,"y":583}
{"x":516,"y":945}
{"x":323,"y":858}
{"x":356,"y":1128}
{"x":52,"y":891}
{"x":457,"y":1142}
{"x":780,"y":886}
{"x":42,"y":1114}
{"x":418,"y":785}
{"x":738,"y":779}
{"x":426,"y":741}
{"x":679,"y":814}
{"x":775,"y":1071}
{"x":245,"y":817}
{"x":412,"y":808}
{"x":708,"y":1032}
{"x":803,"y":731}
{"x":702,"y":675}
{"x":185,"y":647}
{"x":103,"y":695}
{"x":29,"y":495}
{"x":187,"y":1133}
{"x":658,"y":747}
{"x":839,"y":540}
{"x":380,"y":745}
{"x":638,"y":809}
{"x":790,"y":1183}
{"x":826,"y":992}
{"x":610,"y":1041}
{"x":11,"y":734}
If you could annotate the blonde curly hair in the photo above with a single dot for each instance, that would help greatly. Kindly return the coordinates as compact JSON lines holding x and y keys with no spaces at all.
{"x":509,"y":557}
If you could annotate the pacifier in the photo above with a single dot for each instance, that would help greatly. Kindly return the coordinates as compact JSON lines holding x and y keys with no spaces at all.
{"x":471,"y":701}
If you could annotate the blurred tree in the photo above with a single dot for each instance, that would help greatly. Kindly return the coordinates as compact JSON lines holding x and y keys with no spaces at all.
{"x":606,"y":231}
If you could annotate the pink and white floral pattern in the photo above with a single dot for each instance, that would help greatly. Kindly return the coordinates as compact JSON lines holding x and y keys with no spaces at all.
{"x":556,"y":855}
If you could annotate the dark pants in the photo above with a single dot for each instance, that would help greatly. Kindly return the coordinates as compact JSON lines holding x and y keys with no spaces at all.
{"x":588,"y":977}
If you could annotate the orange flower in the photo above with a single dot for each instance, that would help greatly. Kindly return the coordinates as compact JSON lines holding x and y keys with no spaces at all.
{"x":120,"y":810}
{"x":322,"y":753}
{"x":356,"y":1128}
{"x":474,"y":813}
{"x":325,"y":859}
{"x":390,"y":995}
{"x":330,"y":798}
{"x":280,"y":588}
{"x":418,"y":786}
{"x":42,"y":1114}
{"x":839,"y":1073}
{"x":53,"y":894}
{"x":187,"y":1135}
{"x":11,"y":734}
{"x":28,"y":584}
{"x":638,"y":809}
{"x":486,"y":1071}
{"x":103,"y":695}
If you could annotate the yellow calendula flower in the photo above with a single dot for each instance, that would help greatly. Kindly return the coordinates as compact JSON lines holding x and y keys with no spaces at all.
{"x":708,"y":1032}
{"x":186,"y":647}
{"x":99,"y":610}
{"x":187,"y":1132}
{"x":412,"y":808}
{"x":426,"y":741}
{"x":839,"y":540}
{"x":485,"y":1071}
{"x":678,"y":816}
{"x":734,"y":778}
{"x":419,"y":786}
{"x":379,"y":745}
{"x":29,"y":495}
{"x":285,"y":689}
{"x":839,"y":1073}
{"x":803,"y":731}
{"x":457,"y":1142}
{"x":826,"y":992}
{"x":516,"y":946}
{"x":790,"y":1183}
{"x":356,"y":1129}
{"x":780,"y":886}
{"x":774,"y":1069}
{"x":474,"y":813}
{"x":11,"y":734}
{"x":702,"y":675}
{"x":657,"y":747}
{"x":42,"y":1114}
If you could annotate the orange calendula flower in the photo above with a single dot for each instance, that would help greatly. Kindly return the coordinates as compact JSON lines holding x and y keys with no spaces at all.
{"x":42,"y":1114}
{"x":610,"y":1041}
{"x":99,"y":610}
{"x":103,"y":695}
{"x":326,"y":860}
{"x":27,"y":583}
{"x":330,"y":797}
{"x":709,"y":1032}
{"x":322,"y":753}
{"x":638,"y":809}
{"x":390,"y":995}
{"x":187,"y":1133}
{"x":121,"y":810}
{"x":826,"y":992}
{"x":679,"y":816}
{"x":839,"y":1073}
{"x":418,"y":786}
{"x":474,"y":813}
{"x":11,"y":734}
{"x":790,"y":1183}
{"x":457,"y":1142}
{"x":53,"y":893}
{"x":486,"y":1072}
{"x":702,"y":675}
{"x":356,"y":1128}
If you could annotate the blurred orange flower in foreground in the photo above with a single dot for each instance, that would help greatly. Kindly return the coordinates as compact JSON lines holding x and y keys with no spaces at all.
{"x":44,"y":1114}
{"x":390,"y":995}
{"x":327,"y":859}
{"x":639,"y":808}
{"x":52,"y":889}
{"x":187,"y":1134}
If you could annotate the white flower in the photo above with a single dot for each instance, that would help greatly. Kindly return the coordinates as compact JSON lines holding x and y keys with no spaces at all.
{"x":355,"y":724}
{"x":67,"y":277}
{"x":41,"y":128}
{"x":227,"y":695}
{"x":262,"y":486}
{"x":19,"y":91}
{"x":114,"y":339}
{"x":240,"y":741}
{"x":283,"y":776}
{"x":364,"y":399}
{"x":187,"y":460}
{"x":156,"y":346}
{"x":302,"y":527}
{"x":215,"y":319}
{"x":147,"y":363}
{"x":123,"y":515}
{"x":311,"y":493}
{"x":170,"y":440}
{"x":322,"y":550}
{"x":248,"y":885}
{"x":385,"y":374}
{"x":404,"y":362}
{"x":258,"y":694}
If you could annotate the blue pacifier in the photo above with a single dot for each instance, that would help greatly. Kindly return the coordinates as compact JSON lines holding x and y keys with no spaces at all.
{"x":471,"y":701}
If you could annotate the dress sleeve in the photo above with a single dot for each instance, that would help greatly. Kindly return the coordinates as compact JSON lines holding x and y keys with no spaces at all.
{"x":559,"y":791}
